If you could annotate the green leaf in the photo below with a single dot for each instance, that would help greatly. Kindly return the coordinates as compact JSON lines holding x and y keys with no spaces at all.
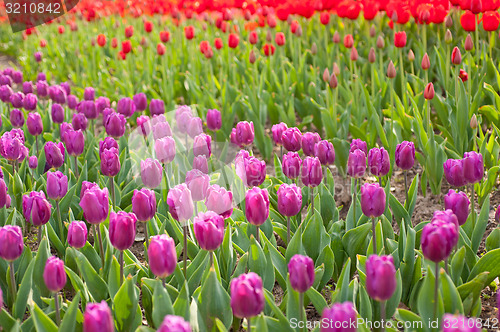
{"x":480,"y":226}
{"x":24,"y":292}
{"x":451,"y":298}
{"x":125,"y":304}
{"x":43,"y":323}
{"x":97,"y":287}
{"x":426,"y":300}
{"x":317,"y":299}
{"x":162,"y":305}
{"x":487,"y":263}
{"x":355,"y":241}
{"x":114,"y":278}
{"x":283,"y":321}
{"x":69,"y":320}
{"x":181,"y":304}
{"x":341,"y":293}
{"x":214,"y":302}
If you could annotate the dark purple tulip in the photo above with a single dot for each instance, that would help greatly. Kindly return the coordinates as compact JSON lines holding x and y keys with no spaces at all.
{"x":379,"y":162}
{"x":356,"y":164}
{"x":57,"y":185}
{"x":144,"y":204}
{"x":247,"y":295}
{"x":325,"y":152}
{"x":66,"y":87}
{"x":58,"y":94}
{"x":115,"y":124}
{"x":36,"y":208}
{"x":72,"y":102}
{"x":340,"y":314}
{"x":126,"y":107}
{"x":27,"y":87}
{"x":289,"y":199}
{"x":156,"y":107}
{"x":292,"y":139}
{"x":198,"y":183}
{"x":16,"y":99}
{"x":301,"y":269}
{"x":110,"y":162}
{"x":54,"y":274}
{"x":10,"y":146}
{"x":257,"y":206}
{"x":473,"y":167}
{"x":8,"y":71}
{"x":3,"y":193}
{"x":102,"y":103}
{"x":165,"y":149}
{"x":89,"y":93}
{"x":107,"y":143}
{"x":373,"y":200}
{"x":151,"y":173}
{"x":144,"y":124}
{"x":405,"y":155}
{"x":454,"y":172}
{"x":311,"y":172}
{"x":380,"y":277}
{"x":79,"y":121}
{"x":255,"y":171}
{"x":140,"y":102}
{"x":16,"y":118}
{"x":42,"y":89}
{"x":57,"y":113}
{"x":358,"y":144}
{"x":30,"y":102}
{"x":454,"y":323}
{"x":5,"y":93}
{"x":162,"y":255}
{"x":34,"y":124}
{"x":277,"y":131}
{"x":161,"y":129}
{"x":63,"y":128}
{"x":220,"y":201}
{"x":11,"y":242}
{"x":54,"y":154}
{"x":291,"y":165}
{"x":77,"y":234}
{"x":5,"y":80}
{"x":214,"y":120}
{"x":17,"y":77}
{"x":195,"y":127}
{"x":201,"y":163}
{"x":23,"y":153}
{"x":88,"y":108}
{"x":202,"y":145}
{"x":309,"y":140}
{"x":439,"y":237}
{"x":174,"y":324}
{"x":75,"y":142}
{"x":245,"y":133}
{"x":180,"y":203}
{"x":38,"y":56}
{"x":458,"y":202}
{"x":98,"y":318}
{"x":95,"y":203}
{"x":209,"y":230}
{"x":122,"y":229}
{"x":33,"y":162}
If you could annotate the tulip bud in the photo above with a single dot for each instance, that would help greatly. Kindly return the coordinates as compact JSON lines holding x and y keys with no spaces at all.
{"x":333,"y":83}
{"x":314,"y":48}
{"x":151,"y":173}
{"x":405,"y":155}
{"x":301,"y":269}
{"x":411,"y":55}
{"x":348,"y":41}
{"x":372,"y":56}
{"x":453,"y":323}
{"x":448,"y":37}
{"x":77,"y":234}
{"x":291,"y":165}
{"x":448,"y":21}
{"x":458,"y":202}
{"x":372,"y":31}
{"x":144,"y":204}
{"x":379,"y":162}
{"x":380,"y":42}
{"x":98,"y":318}
{"x":354,"y":54}
{"x":95,"y":204}
{"x":473,"y":167}
{"x":209,"y":230}
{"x":36,"y":208}
{"x":247,"y":295}
{"x":426,"y":64}
{"x":473,"y":122}
{"x":122,"y":229}
{"x":336,"y":69}
{"x":269,"y":36}
{"x":326,"y":75}
{"x":110,"y":162}
{"x":391,"y":70}
{"x":11,"y":242}
{"x":380,"y":277}
{"x":251,"y":57}
{"x":289,"y":199}
{"x":277,"y":131}
{"x":257,"y":206}
{"x":456,"y":56}
{"x":220,"y":201}
{"x":469,"y":44}
{"x":336,"y":37}
{"x":162,"y":255}
{"x":373,"y":200}
{"x":174,"y":324}
{"x":54,"y":154}
{"x":342,"y":314}
{"x":311,"y":172}
{"x":33,"y":162}
{"x":356,"y":164}
{"x":180,"y":203}
{"x":54,"y":274}
{"x":292,"y":139}
{"x":298,"y":33}
{"x":57,"y":185}
{"x":429,"y":91}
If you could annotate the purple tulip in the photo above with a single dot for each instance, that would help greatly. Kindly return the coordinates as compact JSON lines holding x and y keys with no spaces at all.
{"x":195,"y":127}
{"x":292,"y":139}
{"x":458,"y":202}
{"x":57,"y":94}
{"x":98,"y":318}
{"x":358,"y":144}
{"x":380,"y":277}
{"x":57,"y":185}
{"x":247,"y":295}
{"x":34,"y":124}
{"x":459,"y":323}
{"x":23,"y":154}
{"x":454,"y":172}
{"x":311,"y":172}
{"x":38,"y":56}
{"x":151,"y":173}
{"x":42,"y":89}
{"x":107,"y":143}
{"x":291,"y":165}
{"x":214,"y":120}
{"x":183,"y":121}
{"x":122,"y":229}
{"x":110,"y":162}
{"x":54,"y":154}
{"x":161,"y":129}
{"x":201,"y":163}
{"x":257,"y":206}
{"x":144,"y":123}
{"x":5,"y":93}
{"x":156,"y":107}
{"x":16,"y":99}
{"x":497,"y":218}
{"x":209,"y":230}
{"x":57,"y":113}
{"x":89,"y":93}
{"x":33,"y":162}
{"x":255,"y":171}
{"x":233,"y":138}
{"x":27,"y":87}
{"x":289,"y":199}
{"x":356,"y":164}
{"x":277,"y":131}
{"x":115,"y":125}
{"x":438,"y":238}
{"x":88,"y":108}
{"x":77,"y":234}
{"x":65,"y":86}
{"x":95,"y":203}
{"x":79,"y":121}
{"x":165,"y":149}
{"x":325,"y":152}
{"x":140,"y":102}
{"x":379,"y":162}
{"x":162,"y":255}
{"x":309,"y":141}
{"x":174,"y":324}
{"x":5,"y":80}
{"x":180,"y":203}
{"x":102,"y":103}
{"x":144,"y":204}
{"x":10,"y":146}
{"x":473,"y":167}
{"x":17,"y":77}
{"x":54,"y":274}
{"x":126,"y":107}
{"x":372,"y":200}
{"x":405,"y":155}
{"x":16,"y":118}
{"x":11,"y":242}
{"x":75,"y":142}
{"x":3,"y":193}
{"x":36,"y":208}
{"x":245,"y":133}
{"x":198,"y":183}
{"x":301,"y":269}
{"x":202,"y":145}
{"x":220,"y":201}
{"x":341,"y":317}
{"x":30,"y":102}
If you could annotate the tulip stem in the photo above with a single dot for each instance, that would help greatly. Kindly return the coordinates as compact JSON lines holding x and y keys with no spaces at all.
{"x":478,"y":50}
{"x":354,"y":202}
{"x":112,"y":185}
{"x":146,"y":237}
{"x":211,"y":255}
{"x":257,"y":237}
{"x":382,"y":315}
{"x":406,"y":185}
{"x":101,"y":250}
{"x":184,"y":254}
{"x":312,"y":201}
{"x":249,"y":325}
{"x":12,"y":282}
{"x":77,"y":171}
{"x":288,"y":230}
{"x":39,"y":234}
{"x":473,"y":210}
{"x":58,"y":314}
{"x":36,"y":144}
{"x":61,"y":229}
{"x":163,"y":282}
{"x":121,"y":267}
{"x":301,"y":307}
{"x":403,"y":79}
{"x":374,"y":239}
{"x":436,"y":290}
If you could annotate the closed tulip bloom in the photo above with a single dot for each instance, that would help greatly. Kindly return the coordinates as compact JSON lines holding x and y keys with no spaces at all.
{"x":292,"y":139}
{"x":165,"y":149}
{"x":454,"y":172}
{"x":95,"y":204}
{"x":98,"y":318}
{"x":151,"y":173}
{"x":458,"y":202}
{"x":57,"y":185}
{"x":255,"y":171}
{"x":10,"y":146}
{"x":89,"y":93}
{"x":3,"y":193}
{"x":198,"y":183}
{"x":36,"y":208}
{"x":16,"y":118}
{"x":448,"y":217}
{"x":463,"y":75}
{"x":162,"y":255}
{"x":476,"y":6}
{"x":233,"y":40}
{"x":311,"y":172}
{"x":140,"y":101}
{"x":42,"y":89}
{"x":247,"y":295}
{"x":356,"y":164}
{"x":11,"y":242}
{"x":77,"y":234}
{"x":195,"y":127}
{"x":54,"y":154}
{"x":400,"y":39}
{"x":289,"y":199}
{"x":309,"y":140}
{"x":220,"y":201}
{"x":107,"y":143}
{"x":122,"y":229}
{"x":244,"y":133}
{"x":456,"y":56}
{"x":30,"y":101}
{"x":458,"y":323}
{"x":438,"y":239}
{"x":16,"y":99}
{"x":79,"y":121}
{"x":202,"y":145}
{"x":174,"y":324}
{"x":429,"y":91}
{"x":183,"y":121}
{"x":88,"y":108}
{"x":126,"y":107}
{"x":372,"y":200}
{"x":34,"y":124}
{"x":144,"y":124}
{"x":110,"y":162}
{"x":75,"y":142}
{"x":144,"y":204}
{"x":277,"y":131}
{"x":340,"y":314}
{"x":201,"y":163}
{"x":64,"y":85}
{"x":33,"y":162}
{"x":473,"y":167}
{"x":214,"y":120}
{"x":380,"y":277}
{"x":57,"y":94}
{"x":102,"y":103}
{"x":180,"y":203}
{"x":54,"y":274}
{"x":325,"y":152}
{"x":301,"y":269}
{"x":379,"y":162}
{"x":348,"y":41}
{"x":291,"y":165}
{"x":426,"y":64}
{"x":57,"y":113}
{"x":209,"y":230}
{"x":5,"y":93}
{"x":358,"y":144}
{"x":115,"y":124}
{"x":405,"y":155}
{"x":391,"y":70}
{"x":156,"y":107}
{"x":257,"y":206}
{"x":161,"y":129}
{"x":280,"y":39}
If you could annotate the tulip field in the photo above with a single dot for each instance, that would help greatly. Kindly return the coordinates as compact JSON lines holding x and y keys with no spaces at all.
{"x":259,"y":165}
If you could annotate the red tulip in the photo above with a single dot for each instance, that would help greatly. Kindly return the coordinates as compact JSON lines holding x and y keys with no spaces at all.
{"x":429,"y":91}
{"x":114,"y":43}
{"x":294,"y":26}
{"x":468,"y":21}
{"x":129,"y":31}
{"x":400,"y":39}
{"x":253,"y":38}
{"x":280,"y":39}
{"x":324,"y":18}
{"x":348,"y":41}
{"x":456,"y":56}
{"x":148,"y":26}
{"x":268,"y":49}
{"x":491,"y":20}
{"x":101,"y":40}
{"x":165,"y":36}
{"x":426,"y":64}
{"x":126,"y":46}
{"x":160,"y":49}
{"x":60,"y":29}
{"x":189,"y":32}
{"x":476,"y":6}
{"x":463,"y":75}
{"x":233,"y":40}
{"x":204,"y":46}
{"x":218,"y":43}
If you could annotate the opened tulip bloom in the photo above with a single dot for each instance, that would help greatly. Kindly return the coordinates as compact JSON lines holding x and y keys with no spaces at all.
{"x":98,"y":318}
